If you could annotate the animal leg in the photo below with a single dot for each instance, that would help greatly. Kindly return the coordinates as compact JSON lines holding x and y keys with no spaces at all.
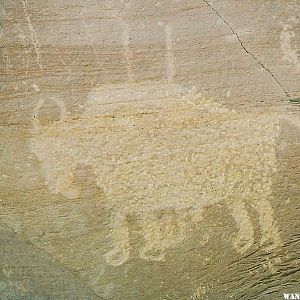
{"x":119,"y":234}
{"x":153,"y":247}
{"x":270,"y":234}
{"x":245,"y":236}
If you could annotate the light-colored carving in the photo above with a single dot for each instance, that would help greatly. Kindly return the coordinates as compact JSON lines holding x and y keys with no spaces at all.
{"x":33,"y":35}
{"x":170,"y":53}
{"x":127,"y":50}
{"x":163,"y":154}
{"x":290,"y":53}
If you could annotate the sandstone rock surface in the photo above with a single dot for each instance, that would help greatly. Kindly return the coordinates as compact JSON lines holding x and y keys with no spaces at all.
{"x":149,"y":149}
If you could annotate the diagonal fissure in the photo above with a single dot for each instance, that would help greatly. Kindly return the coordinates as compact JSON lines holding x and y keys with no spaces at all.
{"x":246,"y":50}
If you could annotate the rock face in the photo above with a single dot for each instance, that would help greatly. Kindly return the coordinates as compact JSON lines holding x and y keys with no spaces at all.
{"x":150,"y":149}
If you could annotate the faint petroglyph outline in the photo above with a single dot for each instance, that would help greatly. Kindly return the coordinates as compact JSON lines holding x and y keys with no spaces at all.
{"x":127,"y":50}
{"x":33,"y":35}
{"x":67,"y":68}
{"x":59,"y":103}
{"x":89,"y":40}
{"x":119,"y":227}
{"x":127,"y":53}
{"x":170,"y":53}
{"x":290,"y":55}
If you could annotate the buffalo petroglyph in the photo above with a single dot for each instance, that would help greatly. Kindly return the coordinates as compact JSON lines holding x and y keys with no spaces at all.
{"x":163,"y":153}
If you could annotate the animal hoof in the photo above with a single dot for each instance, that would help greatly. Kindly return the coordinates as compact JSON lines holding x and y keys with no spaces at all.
{"x":152,"y":254}
{"x":117,"y":257}
{"x":242,"y":245}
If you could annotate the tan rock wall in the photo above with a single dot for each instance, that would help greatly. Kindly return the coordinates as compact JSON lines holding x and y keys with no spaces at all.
{"x":149,"y":149}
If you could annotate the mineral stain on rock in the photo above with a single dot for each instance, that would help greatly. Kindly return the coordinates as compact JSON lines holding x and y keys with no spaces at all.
{"x":295,"y":101}
{"x":162,"y":153}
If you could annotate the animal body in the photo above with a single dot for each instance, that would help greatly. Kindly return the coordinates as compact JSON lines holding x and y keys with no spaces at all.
{"x":162,"y":154}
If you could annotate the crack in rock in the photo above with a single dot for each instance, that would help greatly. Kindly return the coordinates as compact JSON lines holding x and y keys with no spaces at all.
{"x":245,"y":49}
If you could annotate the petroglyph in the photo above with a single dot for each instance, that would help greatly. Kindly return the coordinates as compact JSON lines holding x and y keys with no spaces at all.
{"x":125,"y":27}
{"x":290,"y":53}
{"x":163,"y":154}
{"x":33,"y":35}
{"x":170,"y":66}
{"x":127,"y":50}
{"x":88,"y":35}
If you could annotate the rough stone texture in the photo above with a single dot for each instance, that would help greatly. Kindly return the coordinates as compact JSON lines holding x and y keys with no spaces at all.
{"x":149,"y":149}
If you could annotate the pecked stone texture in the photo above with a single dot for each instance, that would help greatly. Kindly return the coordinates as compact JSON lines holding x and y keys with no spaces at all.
{"x":150,"y":149}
